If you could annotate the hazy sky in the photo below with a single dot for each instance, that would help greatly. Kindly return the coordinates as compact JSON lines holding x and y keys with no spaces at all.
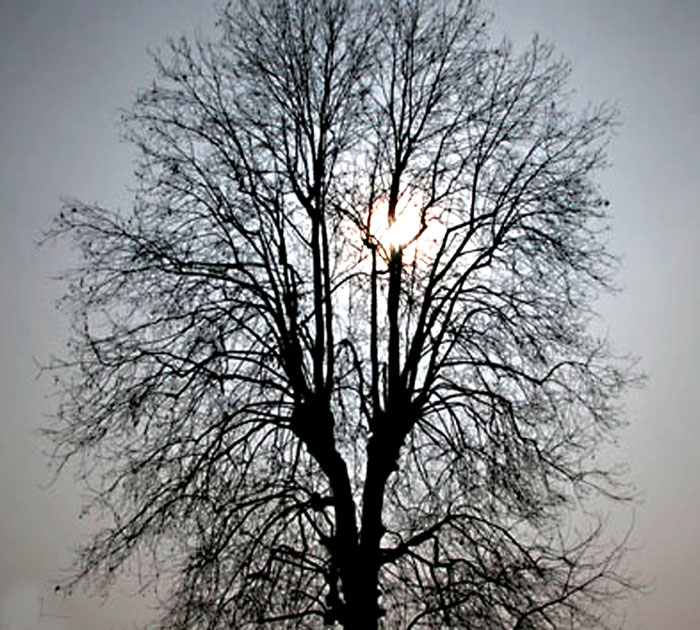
{"x":66,"y":66}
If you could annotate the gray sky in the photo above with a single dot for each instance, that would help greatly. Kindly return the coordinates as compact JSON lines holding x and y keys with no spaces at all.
{"x":66,"y":66}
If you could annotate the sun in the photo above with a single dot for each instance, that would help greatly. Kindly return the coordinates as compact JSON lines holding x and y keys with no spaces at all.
{"x":414,"y":231}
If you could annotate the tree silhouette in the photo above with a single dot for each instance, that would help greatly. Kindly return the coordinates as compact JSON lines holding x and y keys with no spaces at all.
{"x":336,"y":364}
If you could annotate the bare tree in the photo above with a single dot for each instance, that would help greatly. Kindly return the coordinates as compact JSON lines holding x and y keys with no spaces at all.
{"x":336,"y":365}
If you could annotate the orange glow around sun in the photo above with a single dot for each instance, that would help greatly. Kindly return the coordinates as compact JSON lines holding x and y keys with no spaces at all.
{"x":416,"y":238}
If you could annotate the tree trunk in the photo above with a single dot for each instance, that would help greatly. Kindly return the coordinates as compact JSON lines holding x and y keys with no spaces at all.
{"x":362,"y":595}
{"x":362,"y":610}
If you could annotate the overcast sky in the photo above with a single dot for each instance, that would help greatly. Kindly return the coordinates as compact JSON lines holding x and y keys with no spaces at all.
{"x":66,"y":66}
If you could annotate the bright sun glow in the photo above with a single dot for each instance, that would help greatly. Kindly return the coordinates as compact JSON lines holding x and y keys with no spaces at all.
{"x":408,"y":232}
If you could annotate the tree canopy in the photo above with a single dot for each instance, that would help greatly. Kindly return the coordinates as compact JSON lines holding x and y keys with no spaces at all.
{"x":336,"y":364}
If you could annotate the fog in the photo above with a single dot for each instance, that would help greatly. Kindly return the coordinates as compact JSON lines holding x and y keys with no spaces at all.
{"x":65,"y":70}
